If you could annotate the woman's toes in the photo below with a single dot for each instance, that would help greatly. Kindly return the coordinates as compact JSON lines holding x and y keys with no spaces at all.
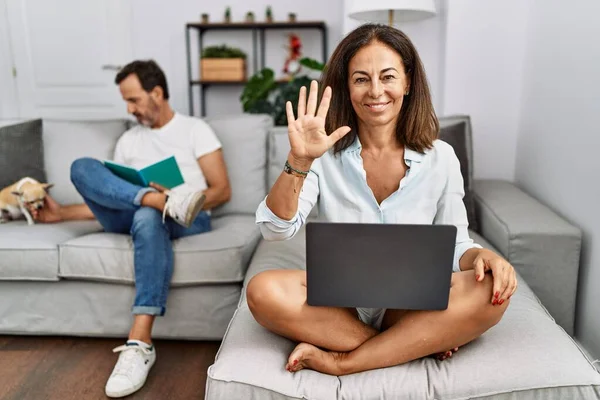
{"x":444,"y":356}
{"x":296,"y":360}
{"x":311,"y":357}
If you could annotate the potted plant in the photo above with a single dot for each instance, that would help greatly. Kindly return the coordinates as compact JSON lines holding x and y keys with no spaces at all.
{"x":222,"y":63}
{"x":263,"y":95}
{"x":269,"y":14}
{"x":228,"y":14}
{"x":249,"y":16}
{"x":204,"y":18}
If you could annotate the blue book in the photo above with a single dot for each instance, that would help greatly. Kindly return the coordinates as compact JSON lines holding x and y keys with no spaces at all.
{"x":165,"y":172}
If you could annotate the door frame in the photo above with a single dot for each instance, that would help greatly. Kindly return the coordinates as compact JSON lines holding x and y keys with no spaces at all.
{"x":9,"y":99}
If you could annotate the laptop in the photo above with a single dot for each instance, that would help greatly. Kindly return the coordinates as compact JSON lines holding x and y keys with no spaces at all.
{"x":394,"y":266}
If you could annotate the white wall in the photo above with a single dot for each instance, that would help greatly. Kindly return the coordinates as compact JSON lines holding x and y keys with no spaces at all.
{"x":559,"y":134}
{"x":482,"y":75}
{"x":158,"y":32}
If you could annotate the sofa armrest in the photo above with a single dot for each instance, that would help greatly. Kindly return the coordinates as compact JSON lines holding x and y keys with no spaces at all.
{"x":542,"y":246}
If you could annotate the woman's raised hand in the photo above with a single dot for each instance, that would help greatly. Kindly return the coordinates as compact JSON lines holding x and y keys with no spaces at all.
{"x":308,"y":139}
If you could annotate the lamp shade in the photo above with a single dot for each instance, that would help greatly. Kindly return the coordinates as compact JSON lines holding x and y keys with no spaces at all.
{"x":379,"y":10}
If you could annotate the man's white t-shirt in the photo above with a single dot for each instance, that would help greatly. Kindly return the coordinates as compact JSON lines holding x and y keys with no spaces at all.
{"x":186,"y":138}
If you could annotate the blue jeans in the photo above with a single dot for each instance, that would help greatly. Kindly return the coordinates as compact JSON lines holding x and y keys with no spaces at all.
{"x":116,"y":204}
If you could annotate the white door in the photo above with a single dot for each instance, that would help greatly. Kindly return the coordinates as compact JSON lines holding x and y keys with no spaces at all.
{"x":66,"y":53}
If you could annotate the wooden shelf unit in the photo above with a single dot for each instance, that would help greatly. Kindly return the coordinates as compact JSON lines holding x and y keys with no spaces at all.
{"x":258,"y":46}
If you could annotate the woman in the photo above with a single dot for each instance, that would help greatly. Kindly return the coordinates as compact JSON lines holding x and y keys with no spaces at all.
{"x":373,"y":158}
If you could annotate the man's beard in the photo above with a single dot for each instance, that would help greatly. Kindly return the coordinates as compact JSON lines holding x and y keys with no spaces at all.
{"x":145,"y":121}
{"x":151,"y":118}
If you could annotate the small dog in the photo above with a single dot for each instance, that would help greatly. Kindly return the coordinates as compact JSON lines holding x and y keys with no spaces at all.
{"x":17,"y":199}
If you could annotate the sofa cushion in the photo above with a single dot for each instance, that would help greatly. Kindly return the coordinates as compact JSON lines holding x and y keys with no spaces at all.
{"x":31,"y":252}
{"x":244,"y":140}
{"x":456,"y":132}
{"x":21,"y":152}
{"x":65,"y":141}
{"x":251,"y":365}
{"x":466,"y":140}
{"x":219,"y":256}
{"x":525,"y":356}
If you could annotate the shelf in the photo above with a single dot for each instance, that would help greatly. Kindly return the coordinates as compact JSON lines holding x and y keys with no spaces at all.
{"x":258,"y":32}
{"x":257,"y":25}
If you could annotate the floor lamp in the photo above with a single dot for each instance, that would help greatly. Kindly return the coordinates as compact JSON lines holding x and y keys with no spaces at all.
{"x":391,"y":11}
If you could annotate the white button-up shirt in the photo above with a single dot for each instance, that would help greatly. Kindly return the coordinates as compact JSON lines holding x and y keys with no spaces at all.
{"x":430,"y":193}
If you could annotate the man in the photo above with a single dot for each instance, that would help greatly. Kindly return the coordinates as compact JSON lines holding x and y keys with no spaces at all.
{"x":153,"y":216}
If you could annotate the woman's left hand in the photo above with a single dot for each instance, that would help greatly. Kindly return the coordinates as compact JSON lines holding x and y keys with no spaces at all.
{"x":505,"y":277}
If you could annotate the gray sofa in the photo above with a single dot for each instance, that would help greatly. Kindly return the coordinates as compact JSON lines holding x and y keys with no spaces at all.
{"x":73,"y":279}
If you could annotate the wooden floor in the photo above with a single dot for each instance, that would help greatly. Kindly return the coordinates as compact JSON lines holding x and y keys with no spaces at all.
{"x":48,"y":368}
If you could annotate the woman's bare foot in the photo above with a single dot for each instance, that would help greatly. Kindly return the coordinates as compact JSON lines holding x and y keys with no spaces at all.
{"x":311,"y":357}
{"x":443,"y":356}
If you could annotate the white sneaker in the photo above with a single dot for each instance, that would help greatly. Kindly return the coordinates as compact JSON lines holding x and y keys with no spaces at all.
{"x":132,"y":368}
{"x":183,"y":207}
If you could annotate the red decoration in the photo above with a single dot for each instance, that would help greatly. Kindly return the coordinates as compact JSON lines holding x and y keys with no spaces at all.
{"x":292,"y":66}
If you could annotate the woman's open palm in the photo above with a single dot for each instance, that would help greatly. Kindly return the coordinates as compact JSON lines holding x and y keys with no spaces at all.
{"x":308,"y":139}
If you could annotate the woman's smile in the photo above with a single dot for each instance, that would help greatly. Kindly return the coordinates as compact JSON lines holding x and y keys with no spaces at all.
{"x":378,"y":107}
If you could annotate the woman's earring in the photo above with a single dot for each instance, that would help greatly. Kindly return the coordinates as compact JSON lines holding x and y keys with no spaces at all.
{"x":406,"y":94}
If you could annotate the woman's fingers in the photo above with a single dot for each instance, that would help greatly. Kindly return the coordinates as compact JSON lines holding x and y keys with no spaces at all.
{"x":324,"y":106}
{"x":499,"y":279}
{"x":514,"y":284}
{"x":311,"y":106}
{"x":289,"y":111}
{"x":479,"y":267}
{"x":506,"y":282}
{"x":301,"y":103}
{"x":338,"y":134}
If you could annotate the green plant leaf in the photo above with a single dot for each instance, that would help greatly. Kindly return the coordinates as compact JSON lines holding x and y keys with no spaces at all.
{"x":223,"y":51}
{"x":258,"y":88}
{"x":261,"y":106}
{"x":311,"y":63}
{"x":288,"y":92}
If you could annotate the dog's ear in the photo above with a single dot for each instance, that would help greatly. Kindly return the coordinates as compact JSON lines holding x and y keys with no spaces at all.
{"x":18,"y":194}
{"x":47,"y":186}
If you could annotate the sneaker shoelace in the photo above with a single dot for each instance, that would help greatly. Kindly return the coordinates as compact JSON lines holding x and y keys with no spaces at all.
{"x":125,"y":364}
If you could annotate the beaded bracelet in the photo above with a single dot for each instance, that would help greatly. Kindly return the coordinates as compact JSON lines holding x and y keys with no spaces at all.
{"x":288,"y":169}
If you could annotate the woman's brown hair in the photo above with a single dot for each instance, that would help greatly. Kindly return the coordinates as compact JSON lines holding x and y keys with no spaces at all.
{"x":417,"y":126}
